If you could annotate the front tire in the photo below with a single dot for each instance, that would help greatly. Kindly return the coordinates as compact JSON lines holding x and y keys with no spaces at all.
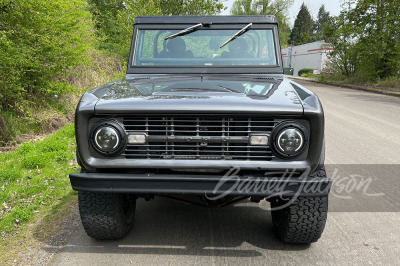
{"x":106,"y":215}
{"x":302,"y":222}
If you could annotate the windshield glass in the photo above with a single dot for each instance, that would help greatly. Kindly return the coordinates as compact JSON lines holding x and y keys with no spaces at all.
{"x":202,"y":47}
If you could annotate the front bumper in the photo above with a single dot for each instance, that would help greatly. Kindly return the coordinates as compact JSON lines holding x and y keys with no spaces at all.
{"x":210,"y":185}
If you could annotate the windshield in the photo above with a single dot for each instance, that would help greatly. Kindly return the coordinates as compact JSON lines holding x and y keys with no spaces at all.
{"x":202,"y":47}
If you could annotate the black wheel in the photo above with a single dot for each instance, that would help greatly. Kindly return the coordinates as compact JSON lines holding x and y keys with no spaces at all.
{"x":301,"y":222}
{"x":106,"y":215}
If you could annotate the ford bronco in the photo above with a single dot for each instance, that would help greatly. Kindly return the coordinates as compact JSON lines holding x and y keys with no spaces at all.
{"x":206,"y":116}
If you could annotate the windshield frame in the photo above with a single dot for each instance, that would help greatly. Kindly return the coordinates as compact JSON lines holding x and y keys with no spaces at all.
{"x":214,"y":69}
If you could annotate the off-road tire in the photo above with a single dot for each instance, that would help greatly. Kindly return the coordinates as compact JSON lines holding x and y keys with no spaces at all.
{"x":106,"y":215}
{"x":319,"y":173}
{"x":303,"y":221}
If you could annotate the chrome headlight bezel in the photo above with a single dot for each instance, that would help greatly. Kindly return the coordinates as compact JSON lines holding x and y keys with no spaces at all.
{"x":120,"y":135}
{"x":278,"y":132}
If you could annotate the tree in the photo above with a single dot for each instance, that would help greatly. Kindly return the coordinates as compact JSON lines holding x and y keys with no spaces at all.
{"x":302,"y":31}
{"x":366,"y":39}
{"x":40,"y":41}
{"x":190,"y":7}
{"x":376,"y":27}
{"x":243,"y":7}
{"x":105,"y":12}
{"x":323,"y":20}
{"x":115,"y":18}
{"x":278,"y":8}
{"x":344,"y":55}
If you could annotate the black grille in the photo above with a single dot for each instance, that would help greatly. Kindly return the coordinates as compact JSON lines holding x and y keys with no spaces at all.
{"x":198,"y":138}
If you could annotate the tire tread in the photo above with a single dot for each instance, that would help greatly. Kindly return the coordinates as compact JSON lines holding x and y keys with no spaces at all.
{"x":101,"y":215}
{"x":304,"y":220}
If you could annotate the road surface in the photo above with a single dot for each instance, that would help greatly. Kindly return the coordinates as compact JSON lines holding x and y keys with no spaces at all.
{"x":362,"y":139}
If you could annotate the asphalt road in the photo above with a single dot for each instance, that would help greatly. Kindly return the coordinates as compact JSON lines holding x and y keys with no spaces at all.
{"x":363,"y":140}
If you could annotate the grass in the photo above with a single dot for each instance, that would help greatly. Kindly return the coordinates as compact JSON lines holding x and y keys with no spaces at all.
{"x":389,"y":85}
{"x":34,"y":187}
{"x":48,"y":228}
{"x":35,"y":192}
{"x":34,"y":178}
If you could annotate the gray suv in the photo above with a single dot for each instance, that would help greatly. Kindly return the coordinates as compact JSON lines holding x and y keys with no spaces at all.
{"x":204,"y":116}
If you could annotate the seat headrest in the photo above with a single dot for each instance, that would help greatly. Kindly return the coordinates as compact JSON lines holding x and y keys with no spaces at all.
{"x":176,"y":45}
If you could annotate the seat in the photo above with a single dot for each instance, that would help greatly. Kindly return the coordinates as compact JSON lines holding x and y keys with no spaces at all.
{"x":176,"y":48}
{"x":238,"y":49}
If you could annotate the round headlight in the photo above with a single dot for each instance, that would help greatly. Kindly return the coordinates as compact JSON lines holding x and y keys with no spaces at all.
{"x":289,"y":140}
{"x":108,"y":137}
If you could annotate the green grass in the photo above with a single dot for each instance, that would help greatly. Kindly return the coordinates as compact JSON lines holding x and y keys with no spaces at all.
{"x":34,"y":185}
{"x":34,"y":178}
{"x":390,"y":85}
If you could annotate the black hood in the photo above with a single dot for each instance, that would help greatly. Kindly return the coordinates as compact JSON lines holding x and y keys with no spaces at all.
{"x":195,"y":95}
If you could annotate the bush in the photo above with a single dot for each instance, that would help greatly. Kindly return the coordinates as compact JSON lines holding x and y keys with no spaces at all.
{"x":305,"y":71}
{"x":40,"y":41}
{"x":390,"y":82}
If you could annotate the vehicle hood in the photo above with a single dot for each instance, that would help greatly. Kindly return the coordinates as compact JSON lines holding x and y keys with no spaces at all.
{"x":127,"y":96}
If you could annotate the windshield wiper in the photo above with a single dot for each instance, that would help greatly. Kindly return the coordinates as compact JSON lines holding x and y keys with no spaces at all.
{"x":237,"y":34}
{"x":185,"y":31}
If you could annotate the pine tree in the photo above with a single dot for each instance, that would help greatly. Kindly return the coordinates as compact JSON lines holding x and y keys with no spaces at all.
{"x":302,"y":31}
{"x":324,"y":19}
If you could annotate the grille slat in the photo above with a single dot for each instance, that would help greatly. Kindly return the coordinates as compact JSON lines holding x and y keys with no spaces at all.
{"x":193,"y":131}
{"x":186,"y":146}
{"x":194,"y":120}
{"x":198,"y":150}
{"x":199,"y":137}
{"x":193,"y":157}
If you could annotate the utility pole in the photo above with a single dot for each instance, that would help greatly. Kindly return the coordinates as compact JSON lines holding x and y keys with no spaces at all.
{"x":290,"y":54}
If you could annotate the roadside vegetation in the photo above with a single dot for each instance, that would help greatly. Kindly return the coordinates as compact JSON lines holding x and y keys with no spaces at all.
{"x":366,"y":41}
{"x":34,"y":176}
{"x":34,"y":182}
{"x":365,"y":38}
{"x":49,"y":55}
{"x":389,"y":85}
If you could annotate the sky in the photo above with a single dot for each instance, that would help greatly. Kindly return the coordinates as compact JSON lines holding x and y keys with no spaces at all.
{"x":333,"y":6}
